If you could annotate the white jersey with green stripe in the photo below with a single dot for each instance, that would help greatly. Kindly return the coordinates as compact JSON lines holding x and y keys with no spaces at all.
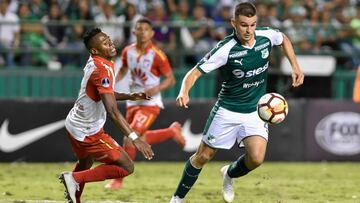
{"x":243,"y":69}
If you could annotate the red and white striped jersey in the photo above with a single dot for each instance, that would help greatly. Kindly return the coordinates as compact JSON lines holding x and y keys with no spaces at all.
{"x":88,"y":115}
{"x":146,"y":68}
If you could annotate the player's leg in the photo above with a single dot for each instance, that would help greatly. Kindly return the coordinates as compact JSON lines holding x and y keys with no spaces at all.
{"x":145,"y":116}
{"x":192,"y":170}
{"x":253,"y":133}
{"x":161,"y":135}
{"x":103,"y":148}
{"x":82,"y":164}
{"x":131,"y":117}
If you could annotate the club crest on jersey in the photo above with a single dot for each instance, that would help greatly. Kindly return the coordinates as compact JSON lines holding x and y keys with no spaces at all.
{"x":264,"y":53}
{"x":105,"y":82}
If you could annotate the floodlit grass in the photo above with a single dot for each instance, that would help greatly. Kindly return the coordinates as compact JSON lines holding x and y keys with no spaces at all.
{"x":155,"y":182}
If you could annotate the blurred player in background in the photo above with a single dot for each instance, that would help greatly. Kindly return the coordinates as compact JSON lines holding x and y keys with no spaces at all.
{"x":146,"y":64}
{"x":356,"y":91}
{"x":85,"y":121}
{"x":242,"y":59}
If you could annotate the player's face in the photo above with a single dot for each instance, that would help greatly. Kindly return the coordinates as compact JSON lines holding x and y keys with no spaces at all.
{"x":104,"y":47}
{"x":244,"y":27}
{"x":143,"y":32}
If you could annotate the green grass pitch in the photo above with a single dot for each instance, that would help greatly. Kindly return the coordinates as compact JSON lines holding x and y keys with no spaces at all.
{"x":154,"y":182}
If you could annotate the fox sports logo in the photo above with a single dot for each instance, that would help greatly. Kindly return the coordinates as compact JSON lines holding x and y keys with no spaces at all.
{"x":339,"y":133}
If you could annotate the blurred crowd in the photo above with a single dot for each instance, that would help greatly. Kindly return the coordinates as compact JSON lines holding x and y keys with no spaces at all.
{"x":193,"y":26}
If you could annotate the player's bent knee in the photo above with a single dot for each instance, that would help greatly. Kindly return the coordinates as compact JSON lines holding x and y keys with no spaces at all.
{"x":129,"y":168}
{"x":201,"y":159}
{"x":256,"y":160}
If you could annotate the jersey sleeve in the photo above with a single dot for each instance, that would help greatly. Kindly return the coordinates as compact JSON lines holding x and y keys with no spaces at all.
{"x":216,"y":58}
{"x":123,"y":56}
{"x":276,"y":37}
{"x":102,"y":80}
{"x":161,"y":63}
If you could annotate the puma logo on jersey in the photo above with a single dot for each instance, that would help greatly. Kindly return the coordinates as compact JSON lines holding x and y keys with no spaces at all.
{"x":238,"y":61}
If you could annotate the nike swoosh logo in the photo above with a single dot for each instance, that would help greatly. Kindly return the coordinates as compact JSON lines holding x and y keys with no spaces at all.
{"x":192,"y":140}
{"x":10,"y":143}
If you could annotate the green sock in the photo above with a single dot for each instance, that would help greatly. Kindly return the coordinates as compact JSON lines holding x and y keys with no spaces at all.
{"x":238,"y":168}
{"x":188,"y":179}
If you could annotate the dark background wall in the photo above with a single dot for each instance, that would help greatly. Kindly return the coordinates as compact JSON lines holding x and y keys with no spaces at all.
{"x":33,"y":131}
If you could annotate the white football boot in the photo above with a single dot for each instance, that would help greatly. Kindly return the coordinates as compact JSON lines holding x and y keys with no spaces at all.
{"x":228,"y":190}
{"x":71,"y":186}
{"x":176,"y":199}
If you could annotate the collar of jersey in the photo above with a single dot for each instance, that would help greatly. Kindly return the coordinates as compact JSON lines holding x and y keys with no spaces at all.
{"x":147,"y":48}
{"x":98,"y":58}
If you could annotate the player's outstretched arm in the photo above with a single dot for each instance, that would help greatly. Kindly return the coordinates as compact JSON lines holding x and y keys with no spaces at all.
{"x":132,"y":96}
{"x":121,"y":73}
{"x":189,"y":80}
{"x":168,"y":82}
{"x":288,"y":50}
{"x":111,"y":107}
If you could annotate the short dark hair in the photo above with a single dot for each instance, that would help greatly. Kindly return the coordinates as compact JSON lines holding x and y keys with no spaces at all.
{"x":89,"y":35}
{"x":145,"y":20}
{"x":245,"y":9}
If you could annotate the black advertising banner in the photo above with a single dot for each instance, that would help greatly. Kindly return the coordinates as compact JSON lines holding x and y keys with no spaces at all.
{"x":333,"y":131}
{"x":286,"y":140}
{"x":33,"y":131}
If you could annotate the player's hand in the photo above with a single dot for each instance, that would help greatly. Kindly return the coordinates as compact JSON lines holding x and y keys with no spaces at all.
{"x":182,"y":100}
{"x":297,"y":77}
{"x":144,"y":148}
{"x":139,"y":96}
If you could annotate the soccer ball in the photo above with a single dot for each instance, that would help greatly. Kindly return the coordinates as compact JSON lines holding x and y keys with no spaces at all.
{"x":272,"y":108}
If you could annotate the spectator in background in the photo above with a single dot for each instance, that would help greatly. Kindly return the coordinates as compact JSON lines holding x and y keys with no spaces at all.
{"x":355,"y":25}
{"x":298,"y":28}
{"x":130,"y":17}
{"x":222,"y":22}
{"x":9,"y":34}
{"x":273,"y":16}
{"x":80,"y":11}
{"x":108,"y":22}
{"x":182,"y":17}
{"x":38,"y":8}
{"x":263,"y":15}
{"x":32,"y":37}
{"x":325,"y":37}
{"x":55,"y":33}
{"x":202,"y":34}
{"x":312,"y":13}
{"x":164,"y":36}
{"x":344,"y":38}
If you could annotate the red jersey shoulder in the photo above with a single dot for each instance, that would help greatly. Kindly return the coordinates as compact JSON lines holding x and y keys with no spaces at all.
{"x":103,"y":76}
{"x":124,"y":53}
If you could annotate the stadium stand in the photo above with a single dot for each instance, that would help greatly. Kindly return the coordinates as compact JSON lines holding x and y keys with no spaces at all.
{"x":41,"y":52}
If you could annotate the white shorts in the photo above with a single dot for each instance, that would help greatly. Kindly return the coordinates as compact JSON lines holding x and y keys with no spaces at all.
{"x":224,"y":127}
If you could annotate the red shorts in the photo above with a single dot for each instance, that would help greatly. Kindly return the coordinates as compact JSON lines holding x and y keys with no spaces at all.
{"x":141,"y":117}
{"x":100,"y":146}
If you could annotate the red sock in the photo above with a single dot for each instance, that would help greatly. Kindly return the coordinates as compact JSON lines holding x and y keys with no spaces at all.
{"x":81,"y":185}
{"x":131,"y":151}
{"x":100,"y":173}
{"x":158,"y":136}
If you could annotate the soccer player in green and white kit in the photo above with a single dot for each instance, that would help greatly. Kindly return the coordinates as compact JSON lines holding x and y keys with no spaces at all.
{"x":242,"y":59}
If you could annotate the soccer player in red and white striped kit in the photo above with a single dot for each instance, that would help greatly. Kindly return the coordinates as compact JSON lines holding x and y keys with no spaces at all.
{"x":85,"y":121}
